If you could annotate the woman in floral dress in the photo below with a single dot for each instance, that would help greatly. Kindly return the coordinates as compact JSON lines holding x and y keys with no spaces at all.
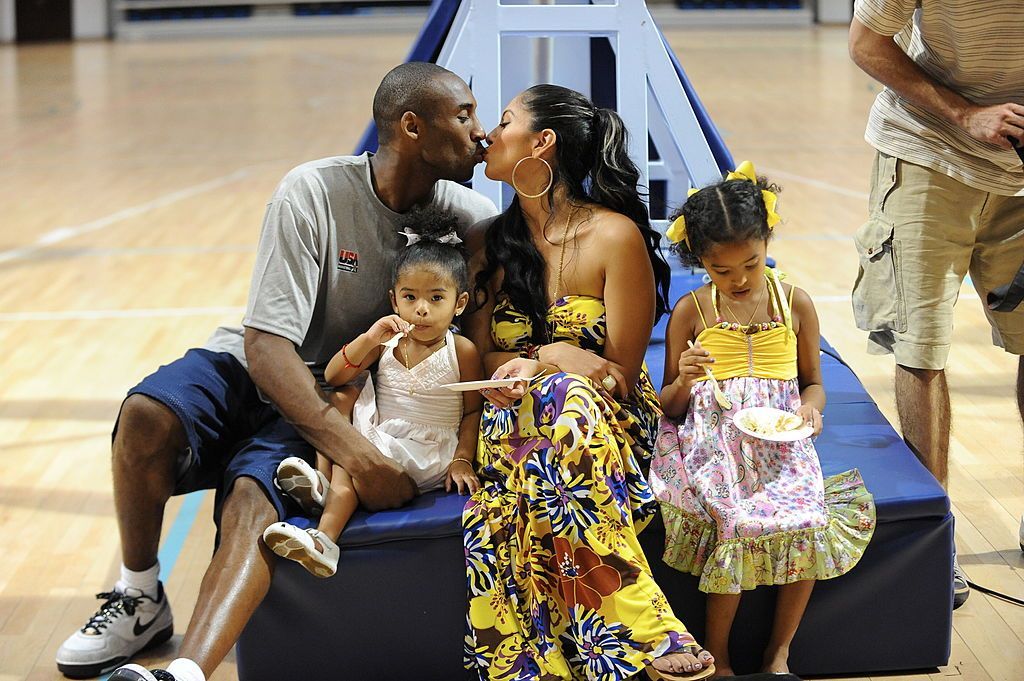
{"x":569,"y":283}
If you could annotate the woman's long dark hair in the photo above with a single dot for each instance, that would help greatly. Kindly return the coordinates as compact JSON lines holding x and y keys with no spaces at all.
{"x":593,"y":165}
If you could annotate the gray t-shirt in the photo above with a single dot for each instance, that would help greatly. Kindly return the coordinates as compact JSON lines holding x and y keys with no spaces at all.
{"x":324,"y":260}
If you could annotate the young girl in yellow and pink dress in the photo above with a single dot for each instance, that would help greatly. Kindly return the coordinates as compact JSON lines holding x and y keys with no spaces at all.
{"x":742,"y":512}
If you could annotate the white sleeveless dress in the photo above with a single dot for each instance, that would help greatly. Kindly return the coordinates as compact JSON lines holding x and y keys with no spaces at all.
{"x":409,"y":417}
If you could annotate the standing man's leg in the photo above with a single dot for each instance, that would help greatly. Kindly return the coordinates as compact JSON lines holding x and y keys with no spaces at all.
{"x":915,"y":250}
{"x":922,"y":402}
{"x":997,"y":261}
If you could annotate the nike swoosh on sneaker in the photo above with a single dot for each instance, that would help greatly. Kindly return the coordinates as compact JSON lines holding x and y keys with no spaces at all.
{"x":139,"y":629}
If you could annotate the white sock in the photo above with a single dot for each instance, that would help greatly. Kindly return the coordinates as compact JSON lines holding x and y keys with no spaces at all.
{"x":185,"y":669}
{"x":144,"y":581}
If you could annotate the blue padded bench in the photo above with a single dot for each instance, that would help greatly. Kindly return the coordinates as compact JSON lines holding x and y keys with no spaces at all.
{"x":396,"y":609}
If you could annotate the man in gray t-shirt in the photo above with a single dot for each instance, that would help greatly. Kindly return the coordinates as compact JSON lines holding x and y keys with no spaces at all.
{"x":223,"y":416}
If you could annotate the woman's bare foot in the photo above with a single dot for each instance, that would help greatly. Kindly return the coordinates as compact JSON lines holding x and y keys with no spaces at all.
{"x":689,"y":660}
{"x":776,"y":661}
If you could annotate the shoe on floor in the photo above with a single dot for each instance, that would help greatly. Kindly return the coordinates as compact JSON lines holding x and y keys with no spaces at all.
{"x":303,"y":483}
{"x":1020,"y":533}
{"x":133,"y":672}
{"x":960,"y":588}
{"x":292,"y":543}
{"x":125,"y":624}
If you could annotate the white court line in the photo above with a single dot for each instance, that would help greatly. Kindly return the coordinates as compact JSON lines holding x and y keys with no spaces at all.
{"x":846,"y":298}
{"x":65,"y":233}
{"x":138,"y":313}
{"x":835,"y":189}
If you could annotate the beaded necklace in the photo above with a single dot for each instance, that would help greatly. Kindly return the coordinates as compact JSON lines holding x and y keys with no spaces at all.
{"x":748,"y":328}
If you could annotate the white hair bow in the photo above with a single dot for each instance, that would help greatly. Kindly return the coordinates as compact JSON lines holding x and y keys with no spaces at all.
{"x":412,"y":238}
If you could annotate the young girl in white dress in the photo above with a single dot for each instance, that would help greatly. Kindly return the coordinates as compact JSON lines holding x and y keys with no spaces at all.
{"x":429,"y":431}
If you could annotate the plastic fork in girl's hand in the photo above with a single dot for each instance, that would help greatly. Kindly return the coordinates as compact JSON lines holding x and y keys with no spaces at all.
{"x":720,"y":396}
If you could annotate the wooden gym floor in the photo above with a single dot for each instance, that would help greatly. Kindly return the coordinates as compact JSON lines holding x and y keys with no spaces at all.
{"x":132,"y":184}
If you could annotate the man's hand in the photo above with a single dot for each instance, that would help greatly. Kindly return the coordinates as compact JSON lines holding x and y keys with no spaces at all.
{"x":993,"y":124}
{"x":379,"y":482}
{"x":277,"y":370}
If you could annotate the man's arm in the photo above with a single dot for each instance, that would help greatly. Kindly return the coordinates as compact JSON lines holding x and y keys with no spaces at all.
{"x":882,"y":59}
{"x":285,"y":379}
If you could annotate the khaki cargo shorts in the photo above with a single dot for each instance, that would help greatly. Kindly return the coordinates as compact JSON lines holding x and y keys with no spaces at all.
{"x":925,"y":232}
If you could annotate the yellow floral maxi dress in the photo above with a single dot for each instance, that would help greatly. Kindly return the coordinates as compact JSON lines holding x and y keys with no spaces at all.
{"x":559,"y":587}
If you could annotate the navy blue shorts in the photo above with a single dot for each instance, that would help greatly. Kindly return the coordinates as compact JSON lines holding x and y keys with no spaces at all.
{"x":231,"y":431}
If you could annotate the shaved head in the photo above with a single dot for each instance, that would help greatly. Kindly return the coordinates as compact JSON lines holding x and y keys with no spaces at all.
{"x":415,"y":86}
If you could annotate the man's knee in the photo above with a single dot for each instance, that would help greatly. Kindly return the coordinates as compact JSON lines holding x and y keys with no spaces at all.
{"x":147,"y":432}
{"x":920,"y":375}
{"x":247,"y":509}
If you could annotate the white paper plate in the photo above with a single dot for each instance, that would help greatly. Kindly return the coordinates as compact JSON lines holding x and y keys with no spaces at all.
{"x":769,"y":413}
{"x":490,"y":383}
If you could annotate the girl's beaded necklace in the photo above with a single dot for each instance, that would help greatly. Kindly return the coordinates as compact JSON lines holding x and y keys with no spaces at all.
{"x":748,"y":328}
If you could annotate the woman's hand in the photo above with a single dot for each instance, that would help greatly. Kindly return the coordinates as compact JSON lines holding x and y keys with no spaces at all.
{"x":386,"y":328}
{"x":691,"y":365}
{"x":576,"y":360}
{"x":811,"y":417}
{"x":506,"y":397}
{"x":461,"y":476}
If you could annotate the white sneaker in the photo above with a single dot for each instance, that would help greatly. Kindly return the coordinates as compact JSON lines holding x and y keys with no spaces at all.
{"x":292,"y":543}
{"x":133,"y":672}
{"x":125,"y":624}
{"x":303,"y":483}
{"x":961,"y":589}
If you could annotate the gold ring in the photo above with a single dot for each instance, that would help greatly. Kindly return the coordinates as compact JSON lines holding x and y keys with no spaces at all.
{"x":608,"y":382}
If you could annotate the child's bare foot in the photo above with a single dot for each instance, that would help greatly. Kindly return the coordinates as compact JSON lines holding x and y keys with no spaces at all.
{"x":776,"y":661}
{"x":691,"y":662}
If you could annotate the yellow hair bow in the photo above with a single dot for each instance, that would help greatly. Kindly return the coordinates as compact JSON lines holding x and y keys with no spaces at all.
{"x":677,"y":230}
{"x":745,"y":171}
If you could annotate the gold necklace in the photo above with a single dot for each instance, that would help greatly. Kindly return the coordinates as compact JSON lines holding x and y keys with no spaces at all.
{"x":561,"y":254}
{"x":754,"y":314}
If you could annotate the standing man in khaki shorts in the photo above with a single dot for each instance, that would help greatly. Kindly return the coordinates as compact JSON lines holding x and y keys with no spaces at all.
{"x":947,"y":194}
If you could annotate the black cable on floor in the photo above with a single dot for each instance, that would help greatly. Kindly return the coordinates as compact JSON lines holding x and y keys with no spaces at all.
{"x":995,"y":594}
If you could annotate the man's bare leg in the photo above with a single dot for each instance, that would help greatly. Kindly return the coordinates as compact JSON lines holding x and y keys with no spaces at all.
{"x":922,"y":401}
{"x":237,"y":579}
{"x":149,"y":441}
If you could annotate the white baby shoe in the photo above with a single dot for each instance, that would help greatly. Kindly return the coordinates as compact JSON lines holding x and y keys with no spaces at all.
{"x":292,"y":543}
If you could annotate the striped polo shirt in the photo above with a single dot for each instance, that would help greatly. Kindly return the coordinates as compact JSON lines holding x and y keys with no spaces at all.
{"x":973,"y":47}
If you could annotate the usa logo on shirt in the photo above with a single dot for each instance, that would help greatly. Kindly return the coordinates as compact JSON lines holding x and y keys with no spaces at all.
{"x":348,"y":261}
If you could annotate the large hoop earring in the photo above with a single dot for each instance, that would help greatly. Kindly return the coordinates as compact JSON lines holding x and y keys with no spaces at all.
{"x":551,"y":178}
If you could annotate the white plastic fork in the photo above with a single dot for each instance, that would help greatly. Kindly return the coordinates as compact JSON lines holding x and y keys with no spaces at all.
{"x":720,"y":397}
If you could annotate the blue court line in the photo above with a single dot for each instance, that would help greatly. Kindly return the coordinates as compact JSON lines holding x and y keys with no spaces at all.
{"x":170,"y":548}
